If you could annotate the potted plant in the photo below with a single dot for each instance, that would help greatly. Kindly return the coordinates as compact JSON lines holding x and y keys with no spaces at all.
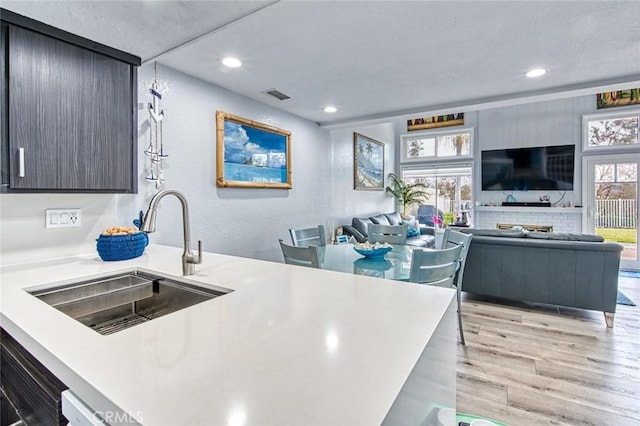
{"x":449,"y":218}
{"x":406,"y":193}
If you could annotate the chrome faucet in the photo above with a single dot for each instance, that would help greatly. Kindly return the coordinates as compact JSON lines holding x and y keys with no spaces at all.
{"x":189,"y":260}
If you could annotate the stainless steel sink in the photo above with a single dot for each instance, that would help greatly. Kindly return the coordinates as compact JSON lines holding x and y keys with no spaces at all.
{"x":114,"y":303}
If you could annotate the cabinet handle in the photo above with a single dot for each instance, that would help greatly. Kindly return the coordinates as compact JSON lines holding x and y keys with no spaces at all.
{"x":21,"y":162}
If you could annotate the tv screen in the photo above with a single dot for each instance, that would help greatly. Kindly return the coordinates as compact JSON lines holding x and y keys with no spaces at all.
{"x":528,"y":169}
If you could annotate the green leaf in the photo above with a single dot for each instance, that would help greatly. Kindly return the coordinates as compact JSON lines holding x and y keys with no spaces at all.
{"x":406,"y":193}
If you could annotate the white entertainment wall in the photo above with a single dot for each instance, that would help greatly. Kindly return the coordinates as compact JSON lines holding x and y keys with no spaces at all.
{"x":556,"y":122}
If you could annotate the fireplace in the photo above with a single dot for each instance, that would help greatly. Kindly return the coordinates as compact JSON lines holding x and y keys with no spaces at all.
{"x":559,"y":219}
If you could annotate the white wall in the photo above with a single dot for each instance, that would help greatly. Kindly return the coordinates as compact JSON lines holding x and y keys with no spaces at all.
{"x":24,"y":238}
{"x":557,"y":122}
{"x":237,"y":221}
{"x":347,"y":202}
{"x":248,"y":222}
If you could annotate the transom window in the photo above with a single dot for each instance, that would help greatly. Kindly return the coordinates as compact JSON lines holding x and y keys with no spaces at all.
{"x":437,"y":144}
{"x":611,"y":130}
{"x":618,"y":172}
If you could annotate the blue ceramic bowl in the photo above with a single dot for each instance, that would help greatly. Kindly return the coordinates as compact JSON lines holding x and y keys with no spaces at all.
{"x":375,"y":253}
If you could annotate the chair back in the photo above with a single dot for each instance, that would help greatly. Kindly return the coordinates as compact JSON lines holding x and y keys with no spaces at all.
{"x":453,"y":238}
{"x":308,"y":236}
{"x":301,"y":256}
{"x":392,"y":234}
{"x":435,"y":267}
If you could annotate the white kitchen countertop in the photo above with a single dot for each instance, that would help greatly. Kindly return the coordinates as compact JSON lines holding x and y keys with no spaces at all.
{"x":289,"y":346}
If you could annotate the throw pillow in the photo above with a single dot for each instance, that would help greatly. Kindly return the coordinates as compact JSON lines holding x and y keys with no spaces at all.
{"x":394,"y":218}
{"x":380,"y":219}
{"x":538,"y":235}
{"x":361,"y":224}
{"x":560,"y":236}
{"x":412,"y":229}
{"x":589,"y":237}
{"x":510,"y":233}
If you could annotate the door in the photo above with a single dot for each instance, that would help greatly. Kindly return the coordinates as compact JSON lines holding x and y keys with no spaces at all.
{"x":611,"y":202}
{"x":70,"y":116}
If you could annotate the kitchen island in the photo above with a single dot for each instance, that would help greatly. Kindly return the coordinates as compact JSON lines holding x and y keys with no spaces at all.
{"x":286,"y":346}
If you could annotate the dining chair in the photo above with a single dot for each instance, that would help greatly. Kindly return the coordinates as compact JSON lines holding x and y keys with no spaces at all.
{"x":301,"y":256}
{"x":435,"y":267}
{"x":392,"y":234}
{"x":308,"y":236}
{"x":451,"y":239}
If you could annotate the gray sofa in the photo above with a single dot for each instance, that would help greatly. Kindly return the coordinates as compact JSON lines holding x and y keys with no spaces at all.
{"x":575,"y":270}
{"x":358,"y":229}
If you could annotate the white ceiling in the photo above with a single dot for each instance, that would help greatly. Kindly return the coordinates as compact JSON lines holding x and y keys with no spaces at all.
{"x":371,"y":58}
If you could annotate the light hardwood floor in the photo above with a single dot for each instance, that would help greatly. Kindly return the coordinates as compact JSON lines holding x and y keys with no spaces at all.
{"x":540,"y":365}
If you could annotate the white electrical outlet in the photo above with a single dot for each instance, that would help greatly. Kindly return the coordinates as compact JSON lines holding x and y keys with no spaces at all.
{"x":63,"y":218}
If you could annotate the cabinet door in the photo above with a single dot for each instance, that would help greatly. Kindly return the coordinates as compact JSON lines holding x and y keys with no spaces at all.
{"x":71,"y":113}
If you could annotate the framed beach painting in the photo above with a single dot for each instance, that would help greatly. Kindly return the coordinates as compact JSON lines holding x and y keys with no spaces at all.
{"x":368,"y":163}
{"x":251,"y":154}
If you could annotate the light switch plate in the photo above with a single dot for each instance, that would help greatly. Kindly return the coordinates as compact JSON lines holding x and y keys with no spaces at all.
{"x":63,"y":218}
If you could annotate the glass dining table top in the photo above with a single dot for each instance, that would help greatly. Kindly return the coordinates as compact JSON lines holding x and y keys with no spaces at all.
{"x":395,"y":265}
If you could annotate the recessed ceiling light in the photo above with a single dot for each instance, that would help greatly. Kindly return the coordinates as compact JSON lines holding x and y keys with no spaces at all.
{"x":232,"y":62}
{"x":330,"y":109}
{"x":537,"y":72}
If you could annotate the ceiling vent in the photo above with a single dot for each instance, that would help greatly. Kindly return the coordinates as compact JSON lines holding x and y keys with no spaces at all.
{"x":278,"y":94}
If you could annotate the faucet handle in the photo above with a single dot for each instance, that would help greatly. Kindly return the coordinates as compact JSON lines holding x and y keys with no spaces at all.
{"x":198,"y":260}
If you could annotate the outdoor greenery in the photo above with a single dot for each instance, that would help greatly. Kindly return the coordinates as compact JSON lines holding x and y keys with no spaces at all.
{"x":617,"y":234}
{"x":447,"y":186}
{"x":406,"y":193}
{"x":449,"y":217}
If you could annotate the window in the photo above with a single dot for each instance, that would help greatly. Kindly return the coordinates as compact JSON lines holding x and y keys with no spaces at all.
{"x":611,"y":130}
{"x":437,"y":144}
{"x":441,"y":159}
{"x":449,"y":188}
{"x":616,"y":188}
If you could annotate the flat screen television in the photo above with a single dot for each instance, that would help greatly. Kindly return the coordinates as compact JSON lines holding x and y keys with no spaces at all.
{"x":528,"y":169}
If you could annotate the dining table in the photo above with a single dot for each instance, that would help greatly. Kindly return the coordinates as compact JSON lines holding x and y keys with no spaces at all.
{"x":394,"y":265}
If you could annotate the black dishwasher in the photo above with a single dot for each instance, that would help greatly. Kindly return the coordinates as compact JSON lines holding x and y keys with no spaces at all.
{"x":29,"y":390}
{"x":8,"y":413}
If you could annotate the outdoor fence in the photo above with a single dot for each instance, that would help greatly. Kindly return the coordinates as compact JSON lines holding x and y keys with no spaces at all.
{"x":617,"y":213}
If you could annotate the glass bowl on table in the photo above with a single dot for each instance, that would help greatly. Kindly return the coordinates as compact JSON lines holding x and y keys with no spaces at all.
{"x":375,"y":267}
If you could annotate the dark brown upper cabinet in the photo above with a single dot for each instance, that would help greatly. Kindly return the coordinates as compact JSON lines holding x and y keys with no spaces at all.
{"x":69,"y":112}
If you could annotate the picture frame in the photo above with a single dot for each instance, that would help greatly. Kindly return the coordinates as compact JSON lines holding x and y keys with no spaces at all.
{"x":342,"y":239}
{"x":618,"y":98}
{"x":368,"y":163}
{"x":435,"y":121}
{"x":250,"y":154}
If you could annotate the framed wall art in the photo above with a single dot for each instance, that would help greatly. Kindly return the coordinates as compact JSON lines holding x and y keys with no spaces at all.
{"x":250,"y":154}
{"x":342,"y":239}
{"x":435,"y":121}
{"x":618,"y":98}
{"x":368,"y":163}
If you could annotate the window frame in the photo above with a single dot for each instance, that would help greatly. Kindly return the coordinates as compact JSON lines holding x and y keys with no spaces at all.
{"x":586,"y":118}
{"x":431,"y":165}
{"x":435,"y":134}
